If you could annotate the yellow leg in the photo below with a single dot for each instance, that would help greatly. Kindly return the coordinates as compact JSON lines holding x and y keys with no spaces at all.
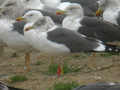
{"x":27,"y":61}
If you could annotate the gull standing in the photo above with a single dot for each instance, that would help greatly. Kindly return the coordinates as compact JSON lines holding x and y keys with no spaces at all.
{"x":89,"y":26}
{"x":12,"y":35}
{"x":60,"y":41}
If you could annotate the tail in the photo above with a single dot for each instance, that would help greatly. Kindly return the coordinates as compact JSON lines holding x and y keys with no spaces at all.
{"x":102,"y":47}
{"x":112,"y":48}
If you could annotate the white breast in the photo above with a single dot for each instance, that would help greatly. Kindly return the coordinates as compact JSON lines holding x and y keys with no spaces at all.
{"x":41,"y":43}
{"x":15,"y":40}
{"x":71,"y":23}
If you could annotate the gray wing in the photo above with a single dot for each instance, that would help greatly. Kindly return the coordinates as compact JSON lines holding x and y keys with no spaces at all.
{"x":19,"y":26}
{"x":92,"y":27}
{"x":118,"y":19}
{"x":73,"y":40}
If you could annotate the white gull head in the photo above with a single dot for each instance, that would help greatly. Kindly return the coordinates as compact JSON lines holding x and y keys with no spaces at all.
{"x":74,"y":9}
{"x":33,"y":16}
{"x":74,"y":14}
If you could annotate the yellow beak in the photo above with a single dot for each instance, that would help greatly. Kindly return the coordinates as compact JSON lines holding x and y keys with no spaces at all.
{"x":60,"y":12}
{"x":99,"y":12}
{"x":20,"y":19}
{"x":29,"y":28}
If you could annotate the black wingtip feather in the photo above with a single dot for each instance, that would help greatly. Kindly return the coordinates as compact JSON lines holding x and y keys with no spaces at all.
{"x":112,"y":48}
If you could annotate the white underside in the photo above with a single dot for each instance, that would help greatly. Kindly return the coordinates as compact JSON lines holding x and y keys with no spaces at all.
{"x":16,"y":41}
{"x":41,"y":43}
{"x":12,"y":38}
{"x":101,"y":47}
{"x":4,"y":27}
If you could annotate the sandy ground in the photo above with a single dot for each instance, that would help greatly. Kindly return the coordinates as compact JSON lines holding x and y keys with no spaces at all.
{"x":92,"y":69}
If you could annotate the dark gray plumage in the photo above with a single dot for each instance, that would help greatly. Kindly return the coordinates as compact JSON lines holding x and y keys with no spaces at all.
{"x":118,"y":19}
{"x":99,"y":86}
{"x":95,"y":28}
{"x":19,"y":26}
{"x":89,"y":6}
{"x":77,"y":42}
{"x":74,"y":41}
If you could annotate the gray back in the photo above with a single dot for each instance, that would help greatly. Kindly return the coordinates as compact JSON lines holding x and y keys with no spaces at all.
{"x":19,"y":26}
{"x":73,"y":40}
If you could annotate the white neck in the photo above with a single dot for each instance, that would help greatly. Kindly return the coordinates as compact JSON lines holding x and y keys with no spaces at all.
{"x":72,"y":22}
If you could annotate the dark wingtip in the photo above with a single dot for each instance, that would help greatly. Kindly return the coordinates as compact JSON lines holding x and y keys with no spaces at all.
{"x":112,"y":48}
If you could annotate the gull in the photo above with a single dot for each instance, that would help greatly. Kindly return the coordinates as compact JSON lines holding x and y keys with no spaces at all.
{"x":12,"y":35}
{"x":61,"y":41}
{"x":89,"y":26}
